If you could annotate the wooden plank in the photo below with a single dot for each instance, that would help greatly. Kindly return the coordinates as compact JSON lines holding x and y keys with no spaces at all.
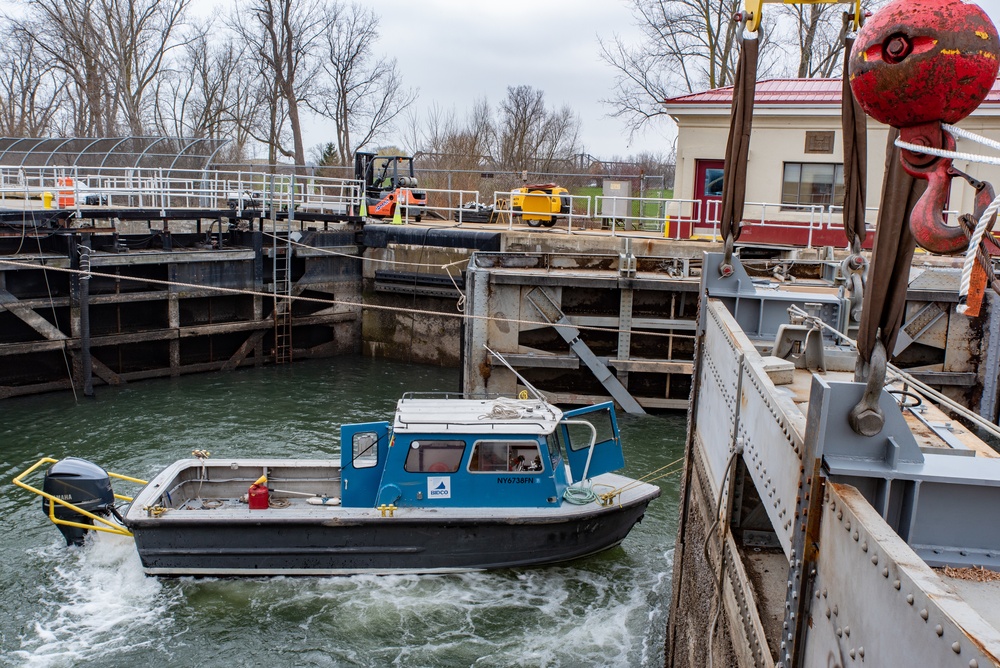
{"x":32,"y":319}
{"x":8,"y":391}
{"x":653,"y":366}
{"x":542,"y":360}
{"x":954,"y":378}
{"x":590,"y":399}
{"x":10,"y":349}
{"x":102,"y":371}
{"x":252,"y":343}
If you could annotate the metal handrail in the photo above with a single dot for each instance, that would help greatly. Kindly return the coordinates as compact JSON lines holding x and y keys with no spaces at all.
{"x":664,"y":206}
{"x":174,"y":187}
{"x":464,"y":197}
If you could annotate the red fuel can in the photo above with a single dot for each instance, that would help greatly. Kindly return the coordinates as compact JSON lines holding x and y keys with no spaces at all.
{"x":258,"y":497}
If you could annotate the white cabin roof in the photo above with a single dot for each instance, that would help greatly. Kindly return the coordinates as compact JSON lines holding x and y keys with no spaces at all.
{"x":476,"y":416}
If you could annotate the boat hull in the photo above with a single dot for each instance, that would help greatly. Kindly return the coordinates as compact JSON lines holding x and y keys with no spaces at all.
{"x":400,"y":544}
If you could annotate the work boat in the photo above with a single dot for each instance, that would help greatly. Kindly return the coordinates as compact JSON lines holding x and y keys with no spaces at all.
{"x":453,"y":484}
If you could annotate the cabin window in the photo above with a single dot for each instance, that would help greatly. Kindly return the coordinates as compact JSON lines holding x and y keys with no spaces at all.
{"x":579,"y":435}
{"x":434,"y":456}
{"x":505,"y":457}
{"x":806,"y":183}
{"x":364,"y":453}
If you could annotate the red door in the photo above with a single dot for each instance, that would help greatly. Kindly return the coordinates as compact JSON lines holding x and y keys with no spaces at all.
{"x":708,"y":191}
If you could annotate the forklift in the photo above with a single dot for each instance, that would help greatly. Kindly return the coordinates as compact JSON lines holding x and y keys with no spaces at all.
{"x":389,"y":182}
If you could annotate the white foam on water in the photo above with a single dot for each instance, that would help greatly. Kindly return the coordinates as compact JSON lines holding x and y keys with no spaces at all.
{"x":540,"y":617}
{"x":95,"y":603}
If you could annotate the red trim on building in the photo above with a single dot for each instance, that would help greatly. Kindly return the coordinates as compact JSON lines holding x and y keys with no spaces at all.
{"x":789,"y":92}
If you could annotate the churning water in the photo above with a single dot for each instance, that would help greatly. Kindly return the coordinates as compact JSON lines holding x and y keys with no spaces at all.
{"x":93,"y":606}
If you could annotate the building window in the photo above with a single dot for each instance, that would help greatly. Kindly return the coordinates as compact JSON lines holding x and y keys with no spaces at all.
{"x":806,"y":183}
{"x":713,"y":183}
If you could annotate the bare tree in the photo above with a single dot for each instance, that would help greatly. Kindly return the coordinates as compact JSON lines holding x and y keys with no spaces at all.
{"x":284,"y":36}
{"x":689,"y":45}
{"x":452,"y":153}
{"x":528,"y":135}
{"x":363,"y":95}
{"x":245,"y":105}
{"x":819,"y":36}
{"x":69,"y":33}
{"x":138,"y":37}
{"x":202,"y":96}
{"x":30,"y":88}
{"x":110,"y":53}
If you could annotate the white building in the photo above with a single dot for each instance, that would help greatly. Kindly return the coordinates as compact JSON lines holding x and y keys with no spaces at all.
{"x":795,"y":172}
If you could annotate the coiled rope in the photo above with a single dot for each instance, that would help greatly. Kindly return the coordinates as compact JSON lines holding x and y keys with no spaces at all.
{"x":579,"y":494}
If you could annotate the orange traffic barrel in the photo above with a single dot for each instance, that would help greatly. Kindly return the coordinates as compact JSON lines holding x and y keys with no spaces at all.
{"x":66,"y":198}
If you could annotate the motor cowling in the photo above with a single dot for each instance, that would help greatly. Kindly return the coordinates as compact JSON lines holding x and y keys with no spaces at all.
{"x":82,"y":483}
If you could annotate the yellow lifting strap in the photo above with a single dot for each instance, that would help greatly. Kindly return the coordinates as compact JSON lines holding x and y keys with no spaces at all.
{"x":754,"y":10}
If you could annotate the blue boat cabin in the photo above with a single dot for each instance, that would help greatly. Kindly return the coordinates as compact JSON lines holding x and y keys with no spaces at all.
{"x":443,"y":452}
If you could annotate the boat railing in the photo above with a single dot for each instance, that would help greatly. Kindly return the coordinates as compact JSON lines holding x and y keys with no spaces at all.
{"x":590,"y":448}
{"x":105,"y":524}
{"x":458,"y":395}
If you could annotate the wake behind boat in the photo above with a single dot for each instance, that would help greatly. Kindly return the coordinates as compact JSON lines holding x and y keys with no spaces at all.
{"x":453,"y":484}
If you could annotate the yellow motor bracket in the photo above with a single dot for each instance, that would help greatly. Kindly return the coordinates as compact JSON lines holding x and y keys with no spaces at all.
{"x":105,"y":524}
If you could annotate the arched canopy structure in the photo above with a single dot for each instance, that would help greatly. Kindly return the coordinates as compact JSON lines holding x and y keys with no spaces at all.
{"x":94,"y":156}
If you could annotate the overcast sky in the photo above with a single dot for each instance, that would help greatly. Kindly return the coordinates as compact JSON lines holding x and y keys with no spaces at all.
{"x":456,"y":51}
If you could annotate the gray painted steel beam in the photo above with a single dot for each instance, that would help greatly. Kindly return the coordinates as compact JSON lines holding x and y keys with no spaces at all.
{"x":548,"y":310}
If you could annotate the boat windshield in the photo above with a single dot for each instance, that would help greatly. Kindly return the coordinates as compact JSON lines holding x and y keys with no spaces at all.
{"x":555,"y":450}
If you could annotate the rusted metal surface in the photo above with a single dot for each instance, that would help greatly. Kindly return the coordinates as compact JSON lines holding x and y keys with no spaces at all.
{"x":726,"y":623}
{"x":917,"y":64}
{"x":908,"y":57}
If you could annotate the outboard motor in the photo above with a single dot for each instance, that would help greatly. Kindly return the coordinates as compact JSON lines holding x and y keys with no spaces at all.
{"x":85,"y":485}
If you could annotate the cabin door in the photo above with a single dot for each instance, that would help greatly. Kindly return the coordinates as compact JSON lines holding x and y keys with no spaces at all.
{"x":575,"y":440}
{"x":363,"y":451}
{"x":708,"y":191}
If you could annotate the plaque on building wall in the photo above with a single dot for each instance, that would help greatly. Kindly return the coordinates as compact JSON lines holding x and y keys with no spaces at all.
{"x":819,"y":142}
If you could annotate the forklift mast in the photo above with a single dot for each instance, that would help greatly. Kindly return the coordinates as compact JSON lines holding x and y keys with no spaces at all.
{"x":393,"y":171}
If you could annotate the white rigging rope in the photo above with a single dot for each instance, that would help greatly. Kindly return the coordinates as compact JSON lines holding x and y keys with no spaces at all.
{"x":984,"y":221}
{"x":926,"y":390}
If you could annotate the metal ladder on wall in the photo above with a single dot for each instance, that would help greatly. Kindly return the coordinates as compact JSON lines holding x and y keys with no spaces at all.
{"x":282,"y":286}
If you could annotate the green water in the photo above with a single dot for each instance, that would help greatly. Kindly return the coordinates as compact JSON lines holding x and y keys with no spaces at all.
{"x":92,"y":606}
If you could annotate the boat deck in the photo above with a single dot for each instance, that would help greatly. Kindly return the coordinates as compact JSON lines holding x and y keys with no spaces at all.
{"x":178,"y":495}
